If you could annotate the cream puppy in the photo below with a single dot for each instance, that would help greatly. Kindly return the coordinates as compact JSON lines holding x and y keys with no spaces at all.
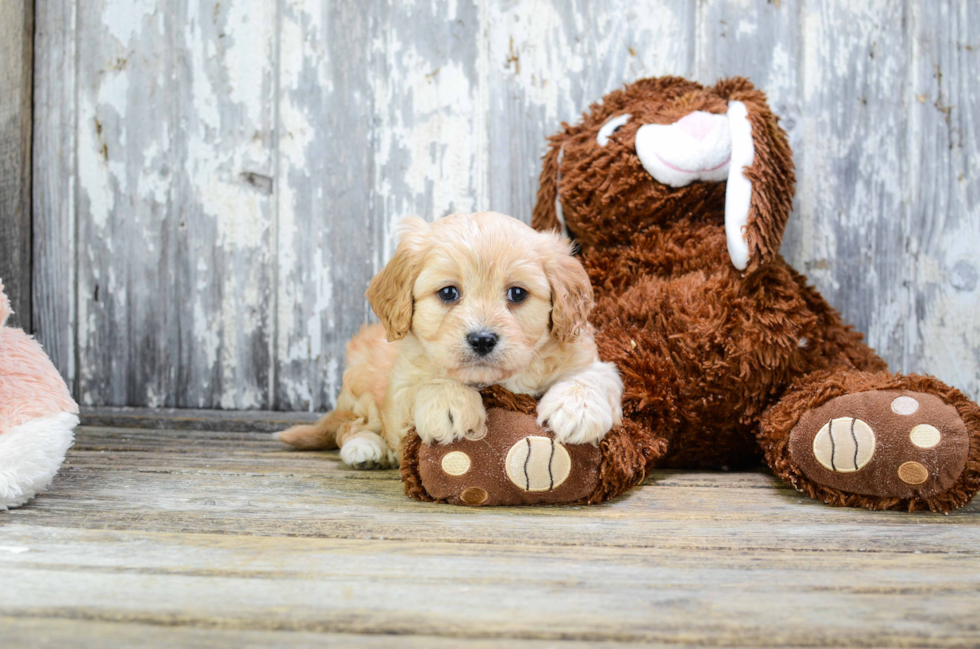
{"x":468,"y":301}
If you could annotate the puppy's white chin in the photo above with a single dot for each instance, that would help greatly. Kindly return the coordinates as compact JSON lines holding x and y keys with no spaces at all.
{"x":479,"y":374}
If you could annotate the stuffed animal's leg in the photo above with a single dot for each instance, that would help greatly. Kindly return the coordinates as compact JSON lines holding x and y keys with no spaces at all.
{"x":875,"y":440}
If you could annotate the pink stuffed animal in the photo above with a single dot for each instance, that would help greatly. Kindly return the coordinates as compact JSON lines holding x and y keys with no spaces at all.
{"x":37,"y":415}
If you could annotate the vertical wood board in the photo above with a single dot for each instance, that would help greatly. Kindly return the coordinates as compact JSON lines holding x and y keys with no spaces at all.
{"x":943,"y":229}
{"x":53,"y":183}
{"x":16,"y":66}
{"x":851,"y":243}
{"x":327,"y":230}
{"x":128,"y":132}
{"x":222,"y":203}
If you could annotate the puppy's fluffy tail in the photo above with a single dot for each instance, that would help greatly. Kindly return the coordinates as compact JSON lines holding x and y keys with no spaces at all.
{"x":320,"y":435}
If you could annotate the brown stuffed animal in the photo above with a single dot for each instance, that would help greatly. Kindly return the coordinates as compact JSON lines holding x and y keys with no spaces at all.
{"x":678,"y":195}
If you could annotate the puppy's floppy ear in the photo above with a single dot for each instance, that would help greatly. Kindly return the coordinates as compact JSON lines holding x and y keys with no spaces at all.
{"x":571,"y":291}
{"x":547,"y":214}
{"x":390,"y":292}
{"x":759,"y":194}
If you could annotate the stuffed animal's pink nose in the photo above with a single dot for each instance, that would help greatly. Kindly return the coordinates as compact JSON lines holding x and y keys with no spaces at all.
{"x":697,"y":124}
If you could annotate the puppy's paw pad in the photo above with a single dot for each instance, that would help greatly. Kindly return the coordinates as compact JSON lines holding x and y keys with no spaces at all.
{"x":470,"y":422}
{"x":365,"y":453}
{"x":576,"y":413}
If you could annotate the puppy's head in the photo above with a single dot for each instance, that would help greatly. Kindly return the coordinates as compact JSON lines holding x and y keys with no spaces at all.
{"x":481,"y":293}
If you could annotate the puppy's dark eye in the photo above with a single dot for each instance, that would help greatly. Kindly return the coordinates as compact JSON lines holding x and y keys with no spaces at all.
{"x":448,"y":294}
{"x":516,"y":294}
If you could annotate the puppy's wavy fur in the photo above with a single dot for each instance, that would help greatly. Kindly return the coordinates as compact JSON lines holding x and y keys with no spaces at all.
{"x":418,"y":367}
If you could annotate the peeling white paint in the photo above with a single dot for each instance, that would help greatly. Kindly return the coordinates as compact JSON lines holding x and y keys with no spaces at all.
{"x":456,"y":99}
{"x":124,"y":19}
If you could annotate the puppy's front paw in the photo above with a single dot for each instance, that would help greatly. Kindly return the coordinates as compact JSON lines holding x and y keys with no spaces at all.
{"x":446,"y":413}
{"x":578,"y":412}
{"x":366,"y":451}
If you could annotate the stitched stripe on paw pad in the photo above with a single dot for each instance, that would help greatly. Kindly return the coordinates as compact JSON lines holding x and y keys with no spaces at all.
{"x":538,"y":464}
{"x":844,"y":445}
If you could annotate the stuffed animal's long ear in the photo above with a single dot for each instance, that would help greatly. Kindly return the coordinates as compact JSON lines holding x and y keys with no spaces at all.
{"x":547,"y":214}
{"x":390,"y":292}
{"x":571,"y":292}
{"x":761,"y":180}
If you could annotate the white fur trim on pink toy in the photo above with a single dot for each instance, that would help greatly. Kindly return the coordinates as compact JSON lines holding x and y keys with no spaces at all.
{"x":30,"y":455}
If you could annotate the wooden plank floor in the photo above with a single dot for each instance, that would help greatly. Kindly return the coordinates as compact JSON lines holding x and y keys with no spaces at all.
{"x":155,"y":534}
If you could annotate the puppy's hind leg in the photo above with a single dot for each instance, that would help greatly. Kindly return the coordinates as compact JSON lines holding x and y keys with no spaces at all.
{"x":360,"y":441}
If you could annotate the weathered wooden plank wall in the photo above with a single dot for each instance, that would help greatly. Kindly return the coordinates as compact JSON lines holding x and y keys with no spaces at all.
{"x":16,"y":49}
{"x":216,"y":182}
{"x":53,"y":188}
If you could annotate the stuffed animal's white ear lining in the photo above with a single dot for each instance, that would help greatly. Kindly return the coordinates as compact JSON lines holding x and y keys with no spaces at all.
{"x":738,"y":193}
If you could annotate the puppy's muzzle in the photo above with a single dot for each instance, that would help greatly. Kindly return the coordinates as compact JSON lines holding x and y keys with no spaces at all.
{"x":482,"y":342}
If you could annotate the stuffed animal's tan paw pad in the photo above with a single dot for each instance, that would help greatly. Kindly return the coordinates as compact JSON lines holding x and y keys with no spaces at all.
{"x":538,"y":464}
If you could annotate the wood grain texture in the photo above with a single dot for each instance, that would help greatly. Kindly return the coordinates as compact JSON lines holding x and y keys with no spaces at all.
{"x":53,"y":633}
{"x":430,"y":136}
{"x":240,"y":167}
{"x":54,"y":183}
{"x":16,"y":83}
{"x":943,"y":334}
{"x":328,"y":232}
{"x":129,"y":173}
{"x":852,"y":246}
{"x":224,"y":538}
{"x":222,"y":202}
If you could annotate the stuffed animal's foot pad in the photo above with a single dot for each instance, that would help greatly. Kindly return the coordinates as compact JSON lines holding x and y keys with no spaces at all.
{"x":518,"y":463}
{"x":882,"y":443}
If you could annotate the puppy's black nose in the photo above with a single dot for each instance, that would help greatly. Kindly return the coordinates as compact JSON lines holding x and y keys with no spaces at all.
{"x":482,"y":342}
